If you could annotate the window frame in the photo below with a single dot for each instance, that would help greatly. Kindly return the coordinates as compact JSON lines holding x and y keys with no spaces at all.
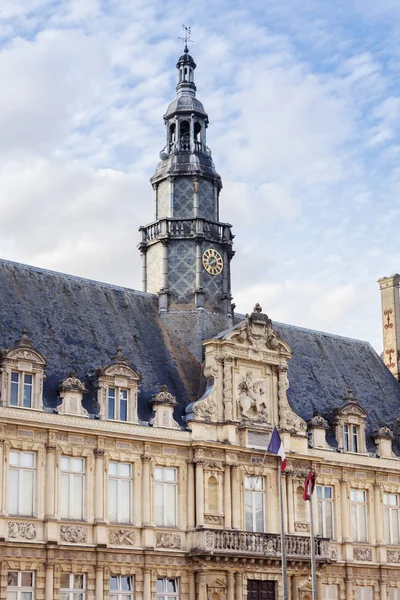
{"x":165,"y":484}
{"x":253,"y":493}
{"x":351,"y":438}
{"x":70,"y":591}
{"x":117,"y":403}
{"x":119,"y":479}
{"x":21,"y":469}
{"x":71,"y":476}
{"x":326,"y":592}
{"x":388,"y":510}
{"x":20,"y":589}
{"x":360,"y":592}
{"x":322,"y":504}
{"x":120,"y":594}
{"x":355,"y":525}
{"x":165,"y":595}
{"x":21,"y":386}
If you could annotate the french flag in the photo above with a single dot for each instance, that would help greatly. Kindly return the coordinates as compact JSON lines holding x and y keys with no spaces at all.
{"x":276,"y":447}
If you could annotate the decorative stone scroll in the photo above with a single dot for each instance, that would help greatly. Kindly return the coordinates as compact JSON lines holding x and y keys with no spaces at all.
{"x":121,"y":537}
{"x":302,"y":527}
{"x":362,"y":554}
{"x":19,"y":529}
{"x":168,"y":540}
{"x":75,"y":534}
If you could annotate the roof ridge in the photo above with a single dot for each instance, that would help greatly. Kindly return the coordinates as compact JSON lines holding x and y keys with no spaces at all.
{"x":76,"y":278}
{"x":332,"y":335}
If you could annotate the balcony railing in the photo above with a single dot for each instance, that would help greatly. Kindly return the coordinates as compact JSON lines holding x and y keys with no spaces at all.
{"x":184,"y":228}
{"x":265,"y":544}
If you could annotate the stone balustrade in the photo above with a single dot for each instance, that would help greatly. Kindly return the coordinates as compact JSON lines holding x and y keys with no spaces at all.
{"x":266,"y":544}
{"x":184,"y":228}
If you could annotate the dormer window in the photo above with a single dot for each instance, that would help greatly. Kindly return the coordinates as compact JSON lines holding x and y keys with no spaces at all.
{"x":350,"y":438}
{"x":117,"y":404}
{"x":349,"y":423}
{"x":118,"y":386}
{"x":22,"y":375}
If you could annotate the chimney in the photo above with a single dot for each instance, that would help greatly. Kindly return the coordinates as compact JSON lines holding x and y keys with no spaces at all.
{"x":390,"y":296}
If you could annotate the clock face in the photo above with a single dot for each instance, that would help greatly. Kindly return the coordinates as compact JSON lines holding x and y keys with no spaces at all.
{"x":212,"y":261}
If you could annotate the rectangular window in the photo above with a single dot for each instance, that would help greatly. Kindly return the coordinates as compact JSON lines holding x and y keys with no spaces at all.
{"x":392,"y":513}
{"x":21,"y":483}
{"x":20,"y":585}
{"x":358,"y":501}
{"x":167,"y":589}
{"x":394,"y":594}
{"x":254,"y":503}
{"x":72,"y":587}
{"x":121,"y":587}
{"x":165,"y":496}
{"x":364,"y":593}
{"x":325,"y":510}
{"x":72,"y":486}
{"x":329,"y":592}
{"x":21,"y":395}
{"x":119,"y":492}
{"x":350,"y":435}
{"x":117,"y":410}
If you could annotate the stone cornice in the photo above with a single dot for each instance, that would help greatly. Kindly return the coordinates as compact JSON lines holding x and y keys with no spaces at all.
{"x":24,"y":417}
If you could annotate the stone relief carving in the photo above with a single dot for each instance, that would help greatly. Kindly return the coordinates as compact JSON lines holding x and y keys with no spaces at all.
{"x":362,"y":554}
{"x":393,"y":556}
{"x":168,"y":540}
{"x":214,"y":519}
{"x":121,"y":537}
{"x":258,"y":331}
{"x":302,"y":527}
{"x":18,"y":529}
{"x":253,"y":398}
{"x":287,"y":417}
{"x":75,"y":534}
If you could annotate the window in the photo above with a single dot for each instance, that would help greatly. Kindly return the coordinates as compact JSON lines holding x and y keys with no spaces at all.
{"x":21,"y":389}
{"x":121,"y":588}
{"x":166,"y":494}
{"x":364,"y":593}
{"x":119,"y":492}
{"x":72,"y":480}
{"x":117,"y":404}
{"x":254,"y":503}
{"x":325,"y":510}
{"x":21,"y":483}
{"x":358,"y":500}
{"x":394,"y":594}
{"x":167,"y":589}
{"x":72,"y":587}
{"x":350,"y":438}
{"x":392,"y":513}
{"x":20,"y":585}
{"x":329,"y":592}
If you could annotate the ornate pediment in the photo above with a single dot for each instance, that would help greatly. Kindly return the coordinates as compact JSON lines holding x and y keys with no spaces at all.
{"x":119,"y":367}
{"x":258,"y":333}
{"x":24,"y":351}
{"x":350,"y":408}
{"x":71,"y":383}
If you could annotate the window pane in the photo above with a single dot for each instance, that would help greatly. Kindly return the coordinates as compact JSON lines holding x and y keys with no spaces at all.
{"x":77,"y":596}
{"x":112,"y":500}
{"x":14,"y":458}
{"x":387,"y":525}
{"x":113,"y":583}
{"x":126,"y":584}
{"x":170,"y":474}
{"x":160,"y":585}
{"x":159,"y":504}
{"x":26,"y":595}
{"x":172,"y":587}
{"x":111,"y":408}
{"x":159,"y":473}
{"x":124,"y":470}
{"x":113,"y":468}
{"x":27,"y":492}
{"x":249,"y":511}
{"x":12,"y":596}
{"x":13,"y":491}
{"x":26,"y":579}
{"x":170,"y":500}
{"x":65,"y":463}
{"x":363,"y":524}
{"x":77,"y":465}
{"x":14,"y":389}
{"x":64,"y":580}
{"x":27,"y":391}
{"x":12,"y":579}
{"x":123,"y":410}
{"x":77,"y":503}
{"x":27,"y":459}
{"x":328,"y":520}
{"x":327,"y":492}
{"x":78,"y":582}
{"x":259,"y":511}
{"x":125,"y":498}
{"x":64,"y":496}
{"x":394,"y":524}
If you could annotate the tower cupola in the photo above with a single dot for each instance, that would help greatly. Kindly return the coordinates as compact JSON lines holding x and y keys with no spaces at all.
{"x":186,"y":67}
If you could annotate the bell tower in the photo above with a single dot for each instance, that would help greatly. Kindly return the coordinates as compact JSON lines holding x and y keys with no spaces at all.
{"x":186,"y":251}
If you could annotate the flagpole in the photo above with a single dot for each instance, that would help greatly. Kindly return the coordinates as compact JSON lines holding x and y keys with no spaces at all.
{"x":283,"y":541}
{"x":312,"y":551}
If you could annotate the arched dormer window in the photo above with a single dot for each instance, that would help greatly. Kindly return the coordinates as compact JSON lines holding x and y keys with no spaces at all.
{"x":118,"y":386}
{"x":349,"y":423}
{"x":22,"y":375}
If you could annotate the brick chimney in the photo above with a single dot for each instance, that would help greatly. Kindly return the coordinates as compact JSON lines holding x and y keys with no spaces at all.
{"x":390,"y":295}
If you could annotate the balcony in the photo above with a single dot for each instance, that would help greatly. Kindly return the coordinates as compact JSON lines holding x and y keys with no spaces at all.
{"x":186,"y":228}
{"x":267,"y":545}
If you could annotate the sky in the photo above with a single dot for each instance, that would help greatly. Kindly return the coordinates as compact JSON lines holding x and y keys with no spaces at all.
{"x":303,"y":98}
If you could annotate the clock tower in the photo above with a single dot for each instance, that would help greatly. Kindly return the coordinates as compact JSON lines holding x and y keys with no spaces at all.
{"x":186,"y":251}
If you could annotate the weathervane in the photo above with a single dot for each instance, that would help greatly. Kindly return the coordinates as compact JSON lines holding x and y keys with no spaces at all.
{"x":186,"y":38}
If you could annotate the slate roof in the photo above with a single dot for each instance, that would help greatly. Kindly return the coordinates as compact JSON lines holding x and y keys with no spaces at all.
{"x":77,"y":323}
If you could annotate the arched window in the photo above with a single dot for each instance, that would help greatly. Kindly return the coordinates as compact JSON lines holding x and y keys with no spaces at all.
{"x":212,"y":494}
{"x":172,"y":132}
{"x":184,"y":131}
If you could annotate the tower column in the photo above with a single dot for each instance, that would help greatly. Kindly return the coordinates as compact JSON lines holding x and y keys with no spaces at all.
{"x":390,"y":297}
